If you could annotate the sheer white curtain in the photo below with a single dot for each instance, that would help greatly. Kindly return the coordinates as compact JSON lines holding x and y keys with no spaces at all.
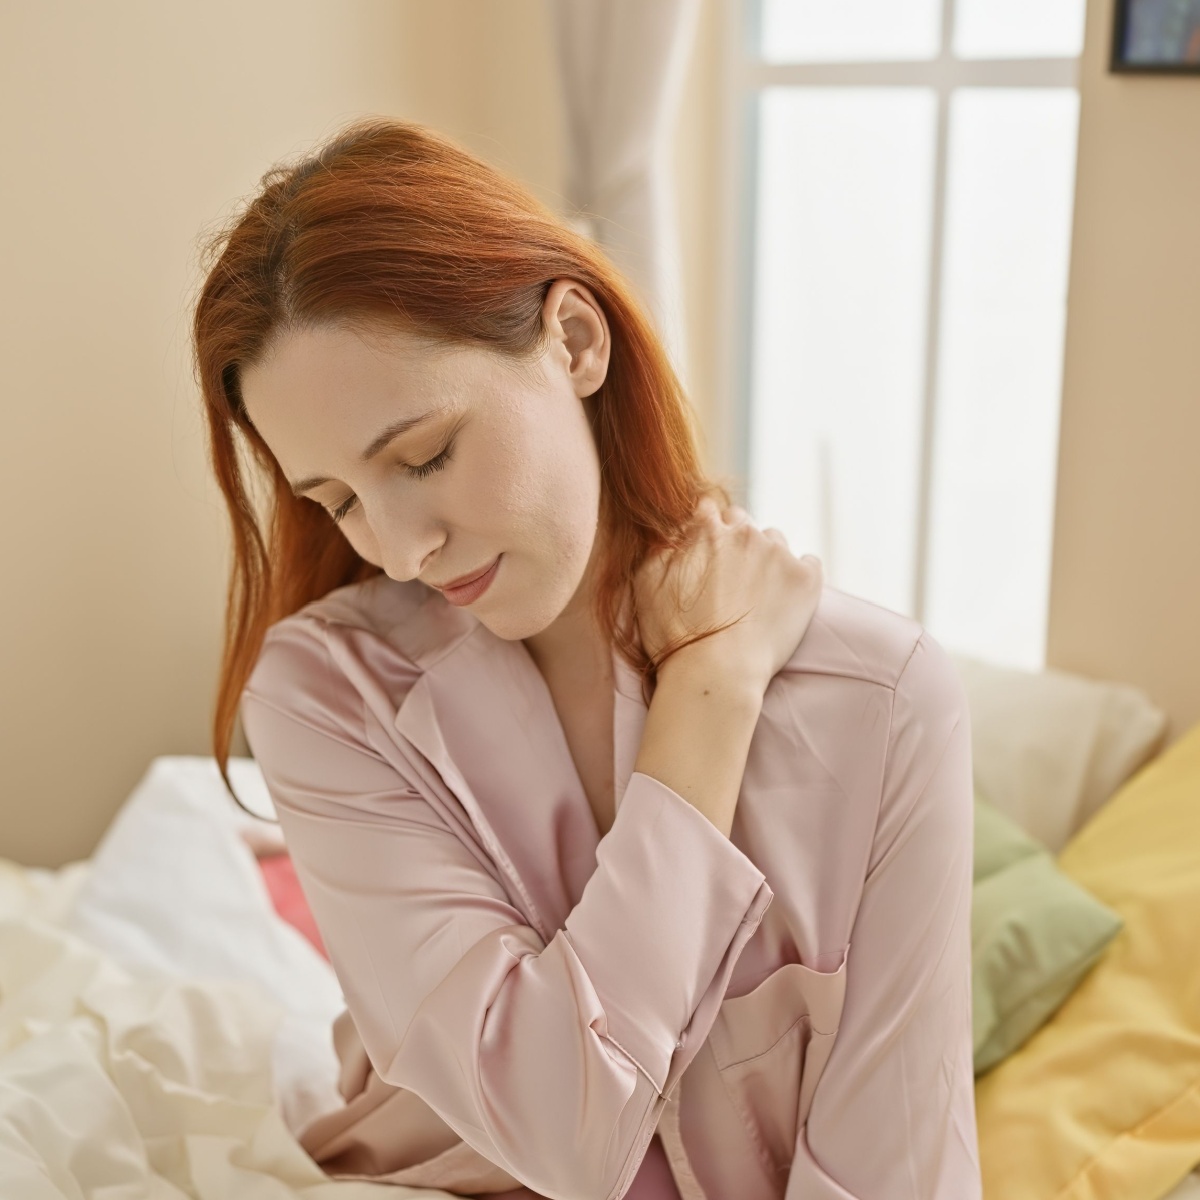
{"x":622,"y":64}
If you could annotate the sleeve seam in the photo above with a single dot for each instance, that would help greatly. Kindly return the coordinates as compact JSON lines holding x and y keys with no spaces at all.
{"x":887,"y":757}
{"x":924,"y":784}
{"x":335,"y":735}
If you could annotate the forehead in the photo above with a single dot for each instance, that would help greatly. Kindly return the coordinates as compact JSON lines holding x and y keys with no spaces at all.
{"x":341,"y":364}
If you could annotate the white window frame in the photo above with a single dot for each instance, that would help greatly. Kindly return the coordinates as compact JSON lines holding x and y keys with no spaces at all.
{"x":743,"y":76}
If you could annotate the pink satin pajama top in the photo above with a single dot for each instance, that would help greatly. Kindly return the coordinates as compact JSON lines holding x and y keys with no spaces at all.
{"x":784,"y":1014}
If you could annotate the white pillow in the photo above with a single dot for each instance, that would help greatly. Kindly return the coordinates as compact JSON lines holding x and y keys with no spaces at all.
{"x":174,"y":891}
{"x":1051,"y":747}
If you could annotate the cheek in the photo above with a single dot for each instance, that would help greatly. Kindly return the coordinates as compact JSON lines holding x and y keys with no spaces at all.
{"x":559,"y":485}
{"x":510,"y":480}
{"x":569,"y":495}
{"x":364,"y":543}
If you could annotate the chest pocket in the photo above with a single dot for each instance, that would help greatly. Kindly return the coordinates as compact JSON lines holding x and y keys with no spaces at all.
{"x":771,"y":1046}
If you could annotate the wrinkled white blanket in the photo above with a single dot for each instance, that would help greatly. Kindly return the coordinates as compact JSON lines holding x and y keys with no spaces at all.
{"x":111,"y":1086}
{"x":121,"y":1075}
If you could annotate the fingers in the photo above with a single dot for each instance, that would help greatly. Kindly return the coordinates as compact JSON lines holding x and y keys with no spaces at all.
{"x":811,"y":561}
{"x":734,"y":515}
{"x":708,"y":509}
{"x":778,"y":537}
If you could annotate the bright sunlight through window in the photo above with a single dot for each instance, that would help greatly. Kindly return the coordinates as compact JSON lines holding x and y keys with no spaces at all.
{"x":910,"y":175}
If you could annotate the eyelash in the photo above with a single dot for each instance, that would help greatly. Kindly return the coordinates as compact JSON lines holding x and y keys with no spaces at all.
{"x":427,"y":468}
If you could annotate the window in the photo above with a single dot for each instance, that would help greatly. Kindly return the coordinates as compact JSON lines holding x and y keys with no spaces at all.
{"x":902,"y":189}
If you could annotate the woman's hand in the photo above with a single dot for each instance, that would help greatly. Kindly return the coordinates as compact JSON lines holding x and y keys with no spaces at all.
{"x":729,"y":568}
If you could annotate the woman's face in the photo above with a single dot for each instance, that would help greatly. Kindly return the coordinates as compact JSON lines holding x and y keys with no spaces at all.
{"x":500,"y":462}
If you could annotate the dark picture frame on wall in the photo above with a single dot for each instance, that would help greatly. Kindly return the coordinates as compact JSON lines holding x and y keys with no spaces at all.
{"x":1158,"y":37}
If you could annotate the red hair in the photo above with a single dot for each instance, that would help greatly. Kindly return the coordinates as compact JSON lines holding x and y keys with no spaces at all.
{"x":391,"y":222}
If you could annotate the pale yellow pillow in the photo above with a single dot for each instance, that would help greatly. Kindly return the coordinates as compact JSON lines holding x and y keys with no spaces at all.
{"x":1104,"y":1099}
{"x":1051,"y":747}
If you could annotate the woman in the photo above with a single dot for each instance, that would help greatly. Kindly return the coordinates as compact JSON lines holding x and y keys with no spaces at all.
{"x":541,"y":818}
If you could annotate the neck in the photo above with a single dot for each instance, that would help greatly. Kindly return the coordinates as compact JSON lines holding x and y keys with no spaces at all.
{"x":573,"y":644}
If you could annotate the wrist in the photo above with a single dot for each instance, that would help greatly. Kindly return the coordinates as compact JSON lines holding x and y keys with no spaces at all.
{"x":696,"y":666}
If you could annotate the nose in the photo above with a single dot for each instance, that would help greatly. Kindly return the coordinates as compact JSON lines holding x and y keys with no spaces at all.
{"x":403,"y":554}
{"x":403,"y":566}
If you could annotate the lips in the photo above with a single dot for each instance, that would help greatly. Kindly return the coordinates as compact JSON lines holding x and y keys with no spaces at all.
{"x":462,"y":579}
{"x":468,"y":593}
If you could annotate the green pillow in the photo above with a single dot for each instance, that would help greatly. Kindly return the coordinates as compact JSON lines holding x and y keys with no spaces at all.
{"x":1035,"y":934}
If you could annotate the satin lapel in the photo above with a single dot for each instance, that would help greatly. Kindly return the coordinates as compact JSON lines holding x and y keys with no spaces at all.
{"x":482,"y":715}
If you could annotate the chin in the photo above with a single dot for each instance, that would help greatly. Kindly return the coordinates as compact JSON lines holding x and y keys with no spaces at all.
{"x":514,"y":621}
{"x":516,"y":627}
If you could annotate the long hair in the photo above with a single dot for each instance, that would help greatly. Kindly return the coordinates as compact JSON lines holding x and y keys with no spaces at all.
{"x":391,"y":222}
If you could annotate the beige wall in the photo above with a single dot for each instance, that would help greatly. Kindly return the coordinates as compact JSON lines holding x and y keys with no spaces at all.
{"x":126,"y":128}
{"x":484,"y":73}
{"x":1125,"y":584}
{"x":130,"y":126}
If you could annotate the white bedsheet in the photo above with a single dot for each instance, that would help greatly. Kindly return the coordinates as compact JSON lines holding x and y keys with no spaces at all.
{"x":162,"y":1031}
{"x":174,"y":892}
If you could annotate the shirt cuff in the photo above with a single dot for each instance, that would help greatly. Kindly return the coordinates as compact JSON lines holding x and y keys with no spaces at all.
{"x":661,"y":924}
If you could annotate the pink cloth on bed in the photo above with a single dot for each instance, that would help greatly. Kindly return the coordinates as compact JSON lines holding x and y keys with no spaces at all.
{"x":788,"y":1009}
{"x":287,"y":897}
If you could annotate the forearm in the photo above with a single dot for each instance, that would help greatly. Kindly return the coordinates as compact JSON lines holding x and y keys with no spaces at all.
{"x":697,"y":734}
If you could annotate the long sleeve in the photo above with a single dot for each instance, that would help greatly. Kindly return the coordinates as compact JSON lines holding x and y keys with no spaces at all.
{"x":893,"y":1115}
{"x":552,"y":1060}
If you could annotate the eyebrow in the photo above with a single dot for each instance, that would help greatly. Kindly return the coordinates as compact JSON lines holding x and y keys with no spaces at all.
{"x":385,"y":438}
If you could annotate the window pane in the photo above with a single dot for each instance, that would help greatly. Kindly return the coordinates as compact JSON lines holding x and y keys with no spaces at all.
{"x":850,"y":30}
{"x":1018,"y":28}
{"x":841,"y":290}
{"x":1008,"y":229}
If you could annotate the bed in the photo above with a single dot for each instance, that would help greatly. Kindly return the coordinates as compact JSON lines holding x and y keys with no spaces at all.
{"x":166,"y":1008}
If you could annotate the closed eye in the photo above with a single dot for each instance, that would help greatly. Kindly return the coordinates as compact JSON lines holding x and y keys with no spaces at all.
{"x":342,"y":509}
{"x":434,"y":464}
{"x":420,"y":472}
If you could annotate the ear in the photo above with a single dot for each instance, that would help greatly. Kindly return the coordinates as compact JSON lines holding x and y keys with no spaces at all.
{"x":578,"y":333}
